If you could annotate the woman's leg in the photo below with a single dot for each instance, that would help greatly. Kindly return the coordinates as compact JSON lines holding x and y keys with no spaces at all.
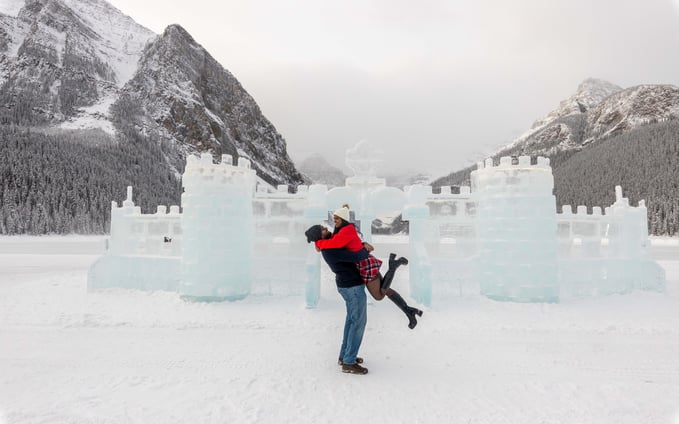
{"x":374,"y":288}
{"x":402,"y":305}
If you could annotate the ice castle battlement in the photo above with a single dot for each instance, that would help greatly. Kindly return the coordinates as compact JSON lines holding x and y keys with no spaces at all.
{"x":515,"y":174}
{"x":617,"y":225}
{"x":135,"y":233}
{"x":512,"y":162}
{"x":500,"y":237}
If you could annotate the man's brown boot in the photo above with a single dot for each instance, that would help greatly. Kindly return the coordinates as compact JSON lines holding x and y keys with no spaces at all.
{"x":354,"y":369}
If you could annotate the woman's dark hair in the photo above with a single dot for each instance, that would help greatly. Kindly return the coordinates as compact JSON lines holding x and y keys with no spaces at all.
{"x":339,"y":227}
{"x":342,"y":225}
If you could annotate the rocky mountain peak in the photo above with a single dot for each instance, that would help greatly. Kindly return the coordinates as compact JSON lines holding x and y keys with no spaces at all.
{"x":597,"y":110}
{"x":589,"y":93}
{"x":631,"y":108}
{"x":55,"y":15}
{"x":185,"y":96}
{"x":63,"y":61}
{"x":82,"y":64}
{"x":593,"y":90}
{"x":177,"y":32}
{"x":11,"y":7}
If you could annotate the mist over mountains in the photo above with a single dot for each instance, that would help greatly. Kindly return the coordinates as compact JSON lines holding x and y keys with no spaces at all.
{"x":604,"y":136}
{"x":319,"y":171}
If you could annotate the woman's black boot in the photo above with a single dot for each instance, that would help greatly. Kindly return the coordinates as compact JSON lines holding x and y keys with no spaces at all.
{"x":402,"y":305}
{"x":393,"y":265}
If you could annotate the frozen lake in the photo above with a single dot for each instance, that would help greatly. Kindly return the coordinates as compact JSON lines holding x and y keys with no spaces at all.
{"x":119,"y":356}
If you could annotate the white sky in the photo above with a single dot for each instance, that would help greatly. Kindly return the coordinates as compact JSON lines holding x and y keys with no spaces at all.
{"x":435,"y":84}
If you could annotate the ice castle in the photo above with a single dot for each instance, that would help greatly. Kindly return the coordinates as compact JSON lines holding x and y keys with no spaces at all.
{"x":501,"y":238}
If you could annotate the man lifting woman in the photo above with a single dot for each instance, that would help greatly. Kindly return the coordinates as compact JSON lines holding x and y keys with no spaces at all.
{"x":345,"y":236}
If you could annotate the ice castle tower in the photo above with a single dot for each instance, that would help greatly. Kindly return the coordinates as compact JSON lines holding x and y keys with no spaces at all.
{"x":516,"y":227}
{"x":218,"y":227}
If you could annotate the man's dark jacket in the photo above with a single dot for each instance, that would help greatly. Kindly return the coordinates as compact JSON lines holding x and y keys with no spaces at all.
{"x":343,"y":263}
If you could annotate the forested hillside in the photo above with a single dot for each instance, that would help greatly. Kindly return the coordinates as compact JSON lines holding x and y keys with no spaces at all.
{"x":645,"y":162}
{"x":64,"y":182}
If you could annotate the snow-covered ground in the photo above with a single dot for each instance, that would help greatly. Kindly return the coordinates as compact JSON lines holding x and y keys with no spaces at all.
{"x":119,"y":356}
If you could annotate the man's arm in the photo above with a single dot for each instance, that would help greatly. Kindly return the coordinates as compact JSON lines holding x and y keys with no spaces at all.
{"x":344,"y":255}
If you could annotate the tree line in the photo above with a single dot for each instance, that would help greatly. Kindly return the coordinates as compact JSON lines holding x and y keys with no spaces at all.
{"x":64,"y":182}
{"x":644,"y":161}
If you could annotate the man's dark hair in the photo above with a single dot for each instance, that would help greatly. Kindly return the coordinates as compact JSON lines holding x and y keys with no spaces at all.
{"x":314,"y":233}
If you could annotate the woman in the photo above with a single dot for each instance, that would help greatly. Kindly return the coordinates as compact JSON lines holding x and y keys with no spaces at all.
{"x":345,"y":236}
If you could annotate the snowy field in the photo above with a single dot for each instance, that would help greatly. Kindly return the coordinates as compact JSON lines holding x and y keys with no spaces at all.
{"x":118,"y":356}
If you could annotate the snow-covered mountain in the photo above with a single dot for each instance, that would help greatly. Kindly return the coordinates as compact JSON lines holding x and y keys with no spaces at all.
{"x":184,"y":95}
{"x":63,"y":61}
{"x":589,"y":93}
{"x":632,"y":108}
{"x":82,"y":64}
{"x":603,"y":136}
{"x":596,"y":111}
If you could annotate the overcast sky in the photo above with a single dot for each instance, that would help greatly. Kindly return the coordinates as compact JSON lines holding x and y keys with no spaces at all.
{"x":434,"y":84}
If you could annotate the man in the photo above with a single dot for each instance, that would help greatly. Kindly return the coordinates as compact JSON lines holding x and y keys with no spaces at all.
{"x":351,"y":287}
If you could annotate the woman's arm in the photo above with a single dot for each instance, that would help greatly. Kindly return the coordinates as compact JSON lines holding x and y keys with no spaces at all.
{"x":344,"y":238}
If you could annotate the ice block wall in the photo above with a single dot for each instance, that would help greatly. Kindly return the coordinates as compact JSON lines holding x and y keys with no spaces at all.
{"x":134,"y":233}
{"x":143,"y":250}
{"x":516,"y":228}
{"x":315,"y":211}
{"x":417,"y":213}
{"x":451,"y":243}
{"x":604,"y":254}
{"x":503,"y":238}
{"x":218,"y":227}
{"x":280,"y":245}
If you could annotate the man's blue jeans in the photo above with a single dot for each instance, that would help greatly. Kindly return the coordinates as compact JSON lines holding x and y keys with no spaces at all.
{"x":354,"y":325}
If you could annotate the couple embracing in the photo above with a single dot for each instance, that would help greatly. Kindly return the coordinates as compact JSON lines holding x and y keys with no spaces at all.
{"x":354,"y":267}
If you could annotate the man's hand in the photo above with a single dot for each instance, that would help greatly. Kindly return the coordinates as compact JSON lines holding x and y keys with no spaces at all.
{"x":369,"y":247}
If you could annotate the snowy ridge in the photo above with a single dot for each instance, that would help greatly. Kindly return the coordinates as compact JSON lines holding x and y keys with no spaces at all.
{"x":17,"y":31}
{"x":95,"y":116}
{"x":589,"y":93}
{"x":631,"y":108}
{"x":597,"y":110}
{"x":122,"y":39}
{"x":106,"y":71}
{"x":83,"y":37}
{"x":560,"y":135}
{"x":189,"y":98}
{"x":11,"y":7}
{"x":120,"y":47}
